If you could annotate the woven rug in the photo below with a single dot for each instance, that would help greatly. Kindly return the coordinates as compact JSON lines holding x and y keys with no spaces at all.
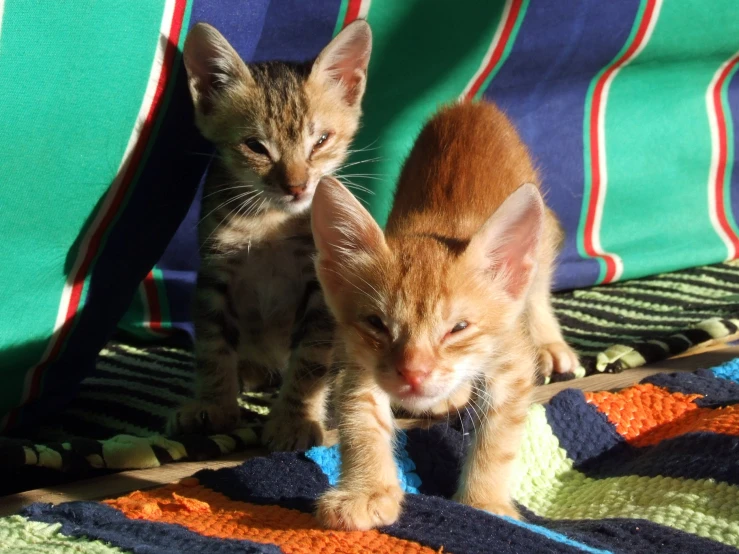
{"x":652,"y":468}
{"x":118,"y":418}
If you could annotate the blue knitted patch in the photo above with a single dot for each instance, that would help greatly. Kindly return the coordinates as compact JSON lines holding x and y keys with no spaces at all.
{"x":329,"y":460}
{"x":728,"y":370}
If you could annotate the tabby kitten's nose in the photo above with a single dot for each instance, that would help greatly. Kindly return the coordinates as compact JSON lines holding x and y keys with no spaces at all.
{"x":295,"y":190}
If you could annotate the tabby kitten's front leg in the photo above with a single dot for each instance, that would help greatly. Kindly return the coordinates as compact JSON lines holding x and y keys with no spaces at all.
{"x":297,"y":417}
{"x":215,"y":407}
{"x":486,"y":476}
{"x":368,"y":494}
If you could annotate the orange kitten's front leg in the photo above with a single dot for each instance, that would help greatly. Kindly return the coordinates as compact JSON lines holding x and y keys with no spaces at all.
{"x":368,"y":494}
{"x":486,"y":477}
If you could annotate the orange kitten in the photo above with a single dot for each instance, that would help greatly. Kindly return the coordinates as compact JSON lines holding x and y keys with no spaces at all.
{"x":453,"y":296}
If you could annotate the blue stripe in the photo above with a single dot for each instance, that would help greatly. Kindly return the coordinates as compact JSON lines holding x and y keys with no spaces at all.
{"x":732,"y":119}
{"x":552,"y":535}
{"x":542,"y":87}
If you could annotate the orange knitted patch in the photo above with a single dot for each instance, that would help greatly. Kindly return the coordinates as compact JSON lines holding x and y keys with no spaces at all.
{"x":646,"y":414}
{"x":212,"y":514}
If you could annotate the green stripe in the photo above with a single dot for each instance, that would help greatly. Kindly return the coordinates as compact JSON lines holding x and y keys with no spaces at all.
{"x":659,"y":145}
{"x":506,"y":50}
{"x":341,"y":16}
{"x":730,"y":150}
{"x":547,"y":483}
{"x":440,"y":70}
{"x":97,"y":87}
{"x":587,"y":166}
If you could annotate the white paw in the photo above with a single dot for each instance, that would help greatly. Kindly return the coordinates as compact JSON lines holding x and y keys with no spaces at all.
{"x":557,"y":357}
{"x":360,"y":510}
{"x":204,"y":418}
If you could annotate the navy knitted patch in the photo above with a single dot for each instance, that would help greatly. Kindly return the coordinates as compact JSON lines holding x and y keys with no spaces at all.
{"x":101,"y":522}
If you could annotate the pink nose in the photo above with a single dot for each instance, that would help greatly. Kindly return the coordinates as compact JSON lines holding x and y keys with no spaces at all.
{"x":414,"y":375}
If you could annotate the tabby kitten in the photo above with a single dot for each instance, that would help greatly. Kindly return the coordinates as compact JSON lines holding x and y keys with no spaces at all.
{"x":278,"y":128}
{"x":454,"y":295}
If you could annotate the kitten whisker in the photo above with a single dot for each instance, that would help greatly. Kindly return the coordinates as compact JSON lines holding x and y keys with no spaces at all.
{"x":369,"y":160}
{"x":354,"y":186}
{"x":230,"y":200}
{"x":365,"y":148}
{"x":237,"y":187}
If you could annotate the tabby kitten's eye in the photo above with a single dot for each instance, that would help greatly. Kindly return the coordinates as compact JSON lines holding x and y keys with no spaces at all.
{"x":322,"y":139}
{"x":377,"y":323}
{"x":255,"y":146}
{"x":461,"y":326}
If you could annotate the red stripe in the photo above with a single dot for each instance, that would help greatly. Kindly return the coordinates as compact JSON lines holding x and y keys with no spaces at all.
{"x":722,"y":155}
{"x":595,"y":144}
{"x":352,"y":11}
{"x":99,"y":233}
{"x":152,"y":300}
{"x":499,"y":48}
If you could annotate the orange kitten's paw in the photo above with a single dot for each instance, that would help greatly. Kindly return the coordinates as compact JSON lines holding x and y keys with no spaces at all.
{"x":289,"y":432}
{"x":203,"y":418}
{"x":497,"y":507}
{"x":557,"y":357}
{"x":360,"y":510}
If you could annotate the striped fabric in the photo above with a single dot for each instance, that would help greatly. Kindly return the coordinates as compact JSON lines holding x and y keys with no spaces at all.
{"x":598,"y":472}
{"x":579,"y":79}
{"x":629,"y":108}
{"x":119,"y":415}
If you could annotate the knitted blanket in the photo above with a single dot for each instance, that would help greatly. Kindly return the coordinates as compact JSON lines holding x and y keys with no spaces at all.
{"x":652,"y":468}
{"x":117,"y":420}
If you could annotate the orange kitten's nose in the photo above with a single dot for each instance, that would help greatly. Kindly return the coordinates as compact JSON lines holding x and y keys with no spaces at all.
{"x":414,"y":375}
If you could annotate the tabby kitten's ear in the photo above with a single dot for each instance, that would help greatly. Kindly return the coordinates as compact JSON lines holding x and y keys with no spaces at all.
{"x":507,"y":243}
{"x":342,"y":230}
{"x":212,"y":66}
{"x":344,"y":61}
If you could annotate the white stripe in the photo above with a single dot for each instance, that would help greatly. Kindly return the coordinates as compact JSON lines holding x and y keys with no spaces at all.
{"x":2,"y":11}
{"x":364,"y":8}
{"x":146,"y":316}
{"x":491,"y":48}
{"x":713,"y":169}
{"x":151,"y":86}
{"x":600,"y":201}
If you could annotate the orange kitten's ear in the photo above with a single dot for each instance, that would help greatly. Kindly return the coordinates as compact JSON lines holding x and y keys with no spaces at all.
{"x":212,"y":65}
{"x":344,"y":61}
{"x":342,"y":230}
{"x":507,"y":244}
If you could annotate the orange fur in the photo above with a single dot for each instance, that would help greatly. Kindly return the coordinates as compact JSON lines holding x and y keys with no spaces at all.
{"x":453,"y":296}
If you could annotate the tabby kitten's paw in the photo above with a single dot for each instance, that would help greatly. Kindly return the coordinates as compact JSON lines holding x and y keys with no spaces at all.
{"x":360,"y":510}
{"x":290,"y":432}
{"x":498,"y":507}
{"x":557,"y":357}
{"x":203,"y":418}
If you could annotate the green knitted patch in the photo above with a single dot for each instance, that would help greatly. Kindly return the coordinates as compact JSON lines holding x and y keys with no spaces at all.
{"x":547,"y":484}
{"x":21,"y":536}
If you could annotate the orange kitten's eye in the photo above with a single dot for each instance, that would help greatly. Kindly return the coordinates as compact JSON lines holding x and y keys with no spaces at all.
{"x":375,"y":322}
{"x":255,"y":146}
{"x":324,"y":137}
{"x":461,"y":326}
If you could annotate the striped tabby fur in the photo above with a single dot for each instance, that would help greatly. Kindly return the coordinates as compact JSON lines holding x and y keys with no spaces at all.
{"x":259,"y":312}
